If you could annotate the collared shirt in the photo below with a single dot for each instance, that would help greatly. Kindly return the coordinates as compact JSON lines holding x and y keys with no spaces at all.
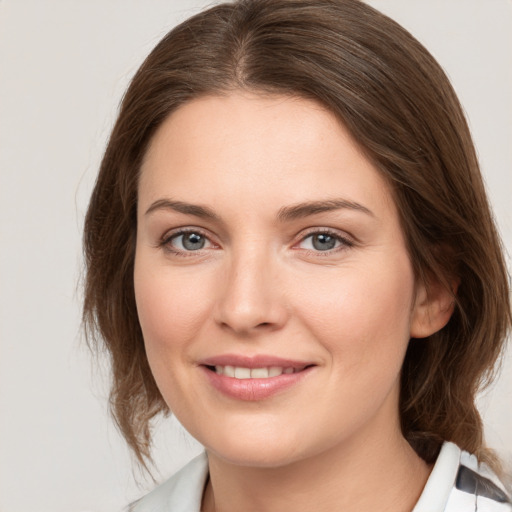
{"x":458,"y":483}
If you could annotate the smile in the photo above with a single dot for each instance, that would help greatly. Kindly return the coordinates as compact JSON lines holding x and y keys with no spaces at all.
{"x":253,"y":378}
{"x":240,"y":372}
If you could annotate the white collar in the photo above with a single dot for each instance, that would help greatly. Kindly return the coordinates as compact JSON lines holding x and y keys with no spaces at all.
{"x":440,"y":482}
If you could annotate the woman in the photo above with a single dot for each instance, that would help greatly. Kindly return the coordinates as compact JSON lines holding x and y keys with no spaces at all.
{"x":289,"y":247}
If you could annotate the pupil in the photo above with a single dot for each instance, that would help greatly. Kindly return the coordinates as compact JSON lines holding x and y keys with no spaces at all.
{"x":323,"y":242}
{"x":193,"y":241}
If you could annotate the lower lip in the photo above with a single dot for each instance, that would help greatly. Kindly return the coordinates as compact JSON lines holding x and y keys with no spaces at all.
{"x":254,"y":389}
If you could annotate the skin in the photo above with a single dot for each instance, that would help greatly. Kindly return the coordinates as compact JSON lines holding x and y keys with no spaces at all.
{"x":260,"y":286}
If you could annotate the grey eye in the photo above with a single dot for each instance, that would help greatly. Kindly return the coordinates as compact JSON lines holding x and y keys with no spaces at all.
{"x":190,"y":241}
{"x":323,"y":242}
{"x":320,"y":242}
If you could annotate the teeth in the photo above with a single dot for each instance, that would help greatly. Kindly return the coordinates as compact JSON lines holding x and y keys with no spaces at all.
{"x":229,"y":371}
{"x":242,"y":373}
{"x":239,"y":372}
{"x":259,"y":373}
{"x":274,"y":371}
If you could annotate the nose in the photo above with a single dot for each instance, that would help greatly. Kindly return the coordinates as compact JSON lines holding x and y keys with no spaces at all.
{"x":251,"y":297}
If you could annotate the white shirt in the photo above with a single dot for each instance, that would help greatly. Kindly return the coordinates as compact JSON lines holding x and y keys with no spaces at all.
{"x":458,"y":483}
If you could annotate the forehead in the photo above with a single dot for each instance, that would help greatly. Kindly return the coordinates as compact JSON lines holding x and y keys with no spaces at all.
{"x":262,"y":148}
{"x":243,"y":118}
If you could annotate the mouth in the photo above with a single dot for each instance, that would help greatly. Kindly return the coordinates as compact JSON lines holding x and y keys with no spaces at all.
{"x":254,"y":378}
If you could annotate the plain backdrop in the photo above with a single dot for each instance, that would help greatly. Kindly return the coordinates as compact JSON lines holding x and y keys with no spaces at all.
{"x":64,"y":65}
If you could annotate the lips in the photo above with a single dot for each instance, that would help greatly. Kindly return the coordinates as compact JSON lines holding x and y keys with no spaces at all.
{"x":253,"y":378}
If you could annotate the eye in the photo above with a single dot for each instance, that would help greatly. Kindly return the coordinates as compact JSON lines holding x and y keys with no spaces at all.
{"x":187,"y":241}
{"x":323,"y":242}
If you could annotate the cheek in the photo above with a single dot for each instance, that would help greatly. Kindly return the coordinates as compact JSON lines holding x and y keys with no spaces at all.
{"x":362,"y":321}
{"x":362,"y":315}
{"x":171,"y":311}
{"x":170,"y":308}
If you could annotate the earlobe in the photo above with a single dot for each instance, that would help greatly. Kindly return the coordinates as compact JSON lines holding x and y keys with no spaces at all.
{"x":433,"y":308}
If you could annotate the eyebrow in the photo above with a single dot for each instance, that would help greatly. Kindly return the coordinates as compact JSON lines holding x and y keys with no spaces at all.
{"x":286,"y":213}
{"x":187,"y":208}
{"x":314,"y":207}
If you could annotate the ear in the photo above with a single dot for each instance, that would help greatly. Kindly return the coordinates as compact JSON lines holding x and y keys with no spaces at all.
{"x":433,"y":307}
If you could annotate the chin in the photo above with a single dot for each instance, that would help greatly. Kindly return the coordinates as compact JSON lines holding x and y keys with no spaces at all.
{"x":256,"y":455}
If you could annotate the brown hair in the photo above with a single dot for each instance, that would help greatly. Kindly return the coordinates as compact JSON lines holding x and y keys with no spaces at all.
{"x":399,"y":106}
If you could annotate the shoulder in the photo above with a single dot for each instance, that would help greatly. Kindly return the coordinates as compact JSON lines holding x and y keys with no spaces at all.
{"x":181,"y":493}
{"x":459,"y":483}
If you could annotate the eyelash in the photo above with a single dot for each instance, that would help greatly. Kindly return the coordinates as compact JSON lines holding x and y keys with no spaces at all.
{"x":165,"y":243}
{"x":345,"y":243}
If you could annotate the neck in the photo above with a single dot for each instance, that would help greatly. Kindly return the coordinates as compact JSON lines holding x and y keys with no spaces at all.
{"x":380,"y":473}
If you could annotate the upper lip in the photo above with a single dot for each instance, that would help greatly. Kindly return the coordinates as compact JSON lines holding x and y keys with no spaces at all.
{"x":256,"y":361}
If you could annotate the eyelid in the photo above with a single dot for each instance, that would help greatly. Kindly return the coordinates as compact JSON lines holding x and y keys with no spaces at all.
{"x":346,"y":240}
{"x":167,"y":237}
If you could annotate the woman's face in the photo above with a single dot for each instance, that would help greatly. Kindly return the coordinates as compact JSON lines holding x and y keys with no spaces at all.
{"x":273,"y":285}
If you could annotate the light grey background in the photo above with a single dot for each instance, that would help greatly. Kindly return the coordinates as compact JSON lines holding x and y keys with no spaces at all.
{"x":64,"y":65}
